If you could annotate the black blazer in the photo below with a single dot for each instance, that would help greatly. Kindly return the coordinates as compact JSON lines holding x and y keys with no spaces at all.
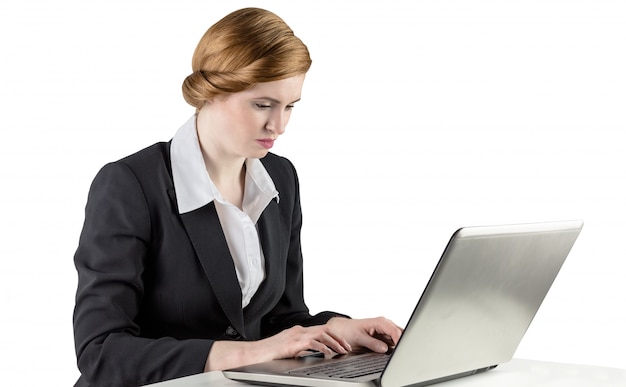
{"x":156,"y":288}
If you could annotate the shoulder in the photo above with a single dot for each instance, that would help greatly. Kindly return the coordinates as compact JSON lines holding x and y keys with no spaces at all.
{"x":144,"y":168}
{"x":280,"y":169}
{"x":146,"y":163}
{"x":153,"y":156}
{"x":285,"y":178}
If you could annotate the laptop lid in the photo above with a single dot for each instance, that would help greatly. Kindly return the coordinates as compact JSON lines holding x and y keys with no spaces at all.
{"x":475,"y":309}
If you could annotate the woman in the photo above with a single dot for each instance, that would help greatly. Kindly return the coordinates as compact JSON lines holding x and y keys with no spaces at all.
{"x":189,"y":259}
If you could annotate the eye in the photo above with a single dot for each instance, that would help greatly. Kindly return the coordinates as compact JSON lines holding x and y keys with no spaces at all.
{"x":262,"y":106}
{"x":290,"y":106}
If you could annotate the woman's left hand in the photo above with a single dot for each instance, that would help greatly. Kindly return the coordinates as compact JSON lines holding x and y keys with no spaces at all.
{"x":375,"y":334}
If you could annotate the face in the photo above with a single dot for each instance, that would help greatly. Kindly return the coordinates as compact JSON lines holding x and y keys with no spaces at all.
{"x":246,"y":124}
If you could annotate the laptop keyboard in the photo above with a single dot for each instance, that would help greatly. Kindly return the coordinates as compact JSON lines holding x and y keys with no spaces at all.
{"x":353,"y":367}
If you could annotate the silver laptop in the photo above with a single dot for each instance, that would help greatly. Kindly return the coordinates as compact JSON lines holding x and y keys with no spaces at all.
{"x":472,"y":315}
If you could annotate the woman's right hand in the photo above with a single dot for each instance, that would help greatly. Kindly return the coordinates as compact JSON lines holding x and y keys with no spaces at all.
{"x":288,"y":343}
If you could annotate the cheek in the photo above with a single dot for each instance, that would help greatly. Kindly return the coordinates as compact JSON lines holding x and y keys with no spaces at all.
{"x":287,"y":117}
{"x":252,"y":121}
{"x":246,"y":125}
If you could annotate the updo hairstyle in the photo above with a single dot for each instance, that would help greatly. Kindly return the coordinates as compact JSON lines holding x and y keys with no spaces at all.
{"x":246,"y":47}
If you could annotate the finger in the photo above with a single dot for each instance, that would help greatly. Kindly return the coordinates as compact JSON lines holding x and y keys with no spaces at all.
{"x":318,"y":346}
{"x":385,"y":338}
{"x":373,"y":344}
{"x":395,"y":330}
{"x":386,"y":329}
{"x":318,"y":339}
{"x":338,"y":345}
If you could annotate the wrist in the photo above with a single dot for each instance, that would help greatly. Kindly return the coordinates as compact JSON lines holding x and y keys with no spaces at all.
{"x":230,"y":354}
{"x":337,"y":319}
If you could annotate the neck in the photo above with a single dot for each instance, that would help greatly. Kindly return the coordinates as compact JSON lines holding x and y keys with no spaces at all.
{"x":221,"y":165}
{"x":224,"y":171}
{"x":229,"y":177}
{"x":227,"y":173}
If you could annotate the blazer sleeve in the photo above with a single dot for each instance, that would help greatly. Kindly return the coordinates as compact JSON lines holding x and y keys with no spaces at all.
{"x":110,"y":261}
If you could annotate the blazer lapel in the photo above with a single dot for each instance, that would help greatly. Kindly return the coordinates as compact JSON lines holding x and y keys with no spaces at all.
{"x":269,"y":234}
{"x":207,"y":238}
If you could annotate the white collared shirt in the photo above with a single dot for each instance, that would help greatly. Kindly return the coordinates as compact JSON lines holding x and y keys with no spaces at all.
{"x":194,"y":189}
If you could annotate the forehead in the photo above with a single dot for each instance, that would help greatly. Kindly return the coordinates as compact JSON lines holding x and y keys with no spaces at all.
{"x":285,"y":90}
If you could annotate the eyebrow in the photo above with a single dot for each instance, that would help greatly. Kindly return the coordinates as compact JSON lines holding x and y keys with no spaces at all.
{"x":274,"y":100}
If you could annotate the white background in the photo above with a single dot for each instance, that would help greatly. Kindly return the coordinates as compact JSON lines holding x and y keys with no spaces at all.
{"x":417,"y":117}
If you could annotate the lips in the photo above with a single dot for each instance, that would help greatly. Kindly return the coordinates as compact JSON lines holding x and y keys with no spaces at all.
{"x":266,"y":143}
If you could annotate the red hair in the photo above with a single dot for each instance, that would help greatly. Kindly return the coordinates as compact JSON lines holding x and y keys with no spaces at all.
{"x":246,"y":47}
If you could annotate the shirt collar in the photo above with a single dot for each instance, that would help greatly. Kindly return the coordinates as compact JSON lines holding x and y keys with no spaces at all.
{"x":194,"y":188}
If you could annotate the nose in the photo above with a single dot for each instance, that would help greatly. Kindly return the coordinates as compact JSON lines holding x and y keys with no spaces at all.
{"x":277,"y":122}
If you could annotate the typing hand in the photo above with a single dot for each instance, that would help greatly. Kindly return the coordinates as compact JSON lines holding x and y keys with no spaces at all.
{"x":291,"y":342}
{"x":375,"y":334}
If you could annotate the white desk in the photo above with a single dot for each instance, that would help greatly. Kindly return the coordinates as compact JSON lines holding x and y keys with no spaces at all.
{"x":516,"y":373}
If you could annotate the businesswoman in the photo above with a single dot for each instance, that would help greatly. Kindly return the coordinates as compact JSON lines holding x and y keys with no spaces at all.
{"x":189,"y":259}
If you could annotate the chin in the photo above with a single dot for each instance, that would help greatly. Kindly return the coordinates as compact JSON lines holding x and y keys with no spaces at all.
{"x":258,"y":154}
